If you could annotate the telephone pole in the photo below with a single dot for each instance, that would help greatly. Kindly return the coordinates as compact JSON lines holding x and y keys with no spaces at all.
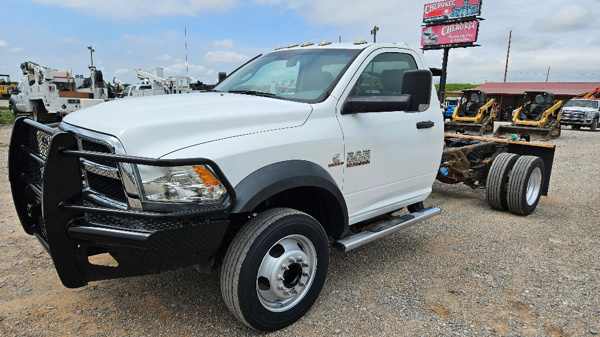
{"x":507,"y":54}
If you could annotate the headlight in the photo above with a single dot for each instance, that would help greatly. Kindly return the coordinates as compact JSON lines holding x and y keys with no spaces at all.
{"x":590,"y":114}
{"x":186,"y":184}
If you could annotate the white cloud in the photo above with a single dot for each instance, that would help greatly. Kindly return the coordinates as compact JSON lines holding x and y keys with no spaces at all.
{"x":223,"y":43}
{"x":165,"y":57}
{"x":225,"y":57}
{"x":2,"y":43}
{"x":14,"y":49}
{"x":568,"y":18}
{"x":121,"y":71}
{"x":139,"y":9}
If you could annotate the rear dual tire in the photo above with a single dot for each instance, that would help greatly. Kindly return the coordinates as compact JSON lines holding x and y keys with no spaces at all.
{"x":515,"y":183}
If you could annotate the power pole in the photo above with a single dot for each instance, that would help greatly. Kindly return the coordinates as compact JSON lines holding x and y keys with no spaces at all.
{"x":374,"y":33}
{"x":547,"y":74}
{"x":507,"y":54}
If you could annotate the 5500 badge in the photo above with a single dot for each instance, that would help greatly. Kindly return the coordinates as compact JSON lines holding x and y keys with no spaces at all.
{"x":358,"y":158}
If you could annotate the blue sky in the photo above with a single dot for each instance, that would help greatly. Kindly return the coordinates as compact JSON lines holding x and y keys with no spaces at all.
{"x":222,"y":34}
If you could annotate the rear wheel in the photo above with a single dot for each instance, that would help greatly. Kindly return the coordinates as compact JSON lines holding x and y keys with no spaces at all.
{"x":275,"y":268}
{"x":39,"y":113}
{"x":497,"y":181}
{"x":525,"y":185}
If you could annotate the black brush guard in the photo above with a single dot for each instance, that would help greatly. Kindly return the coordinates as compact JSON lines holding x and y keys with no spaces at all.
{"x":47,"y":187}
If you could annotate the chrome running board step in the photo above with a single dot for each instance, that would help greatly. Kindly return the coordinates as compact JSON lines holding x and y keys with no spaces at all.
{"x":384,"y":229}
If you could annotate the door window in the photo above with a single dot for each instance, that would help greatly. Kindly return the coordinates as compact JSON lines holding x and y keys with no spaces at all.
{"x":383,"y":75}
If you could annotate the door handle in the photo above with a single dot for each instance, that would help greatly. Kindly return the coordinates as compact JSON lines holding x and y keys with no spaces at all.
{"x":425,"y":125}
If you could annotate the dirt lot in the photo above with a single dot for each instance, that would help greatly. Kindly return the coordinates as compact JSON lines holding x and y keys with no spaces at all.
{"x":471,"y":271}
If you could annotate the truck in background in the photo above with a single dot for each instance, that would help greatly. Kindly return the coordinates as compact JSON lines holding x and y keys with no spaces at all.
{"x":581,"y":113}
{"x":48,"y":94}
{"x":154,"y":83}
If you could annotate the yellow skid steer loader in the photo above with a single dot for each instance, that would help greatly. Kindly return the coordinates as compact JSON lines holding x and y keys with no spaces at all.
{"x":537,"y":119}
{"x":474,"y":115}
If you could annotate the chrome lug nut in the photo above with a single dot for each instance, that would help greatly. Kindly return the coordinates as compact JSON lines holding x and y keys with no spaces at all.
{"x":302,"y":284}
{"x":284,"y":267}
{"x":294,"y":291}
{"x":304,"y":264}
{"x":280,"y":287}
{"x":279,"y":277}
{"x":305,"y":274}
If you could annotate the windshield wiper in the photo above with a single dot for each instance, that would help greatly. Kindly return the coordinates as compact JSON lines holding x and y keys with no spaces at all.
{"x":254,"y":93}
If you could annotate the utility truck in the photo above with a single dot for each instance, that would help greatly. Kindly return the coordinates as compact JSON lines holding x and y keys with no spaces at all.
{"x":154,"y":83}
{"x":297,"y":147}
{"x":48,"y":94}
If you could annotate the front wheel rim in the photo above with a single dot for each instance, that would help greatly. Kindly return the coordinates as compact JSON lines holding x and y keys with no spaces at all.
{"x":534,"y":185}
{"x":286,"y":273}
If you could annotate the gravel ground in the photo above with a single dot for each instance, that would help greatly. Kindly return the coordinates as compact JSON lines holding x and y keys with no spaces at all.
{"x":470,"y":271}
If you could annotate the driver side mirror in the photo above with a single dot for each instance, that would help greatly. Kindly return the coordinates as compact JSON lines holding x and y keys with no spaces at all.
{"x":415,"y":96}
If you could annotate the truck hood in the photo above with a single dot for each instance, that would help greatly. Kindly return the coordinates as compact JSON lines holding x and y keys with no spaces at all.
{"x":157,"y":125}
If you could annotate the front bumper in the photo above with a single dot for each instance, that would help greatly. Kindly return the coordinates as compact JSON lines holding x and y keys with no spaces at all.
{"x":575,"y":118}
{"x":47,"y":177}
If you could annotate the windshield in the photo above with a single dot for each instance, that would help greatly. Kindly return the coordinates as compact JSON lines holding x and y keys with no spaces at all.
{"x":582,"y":103}
{"x":301,"y":75}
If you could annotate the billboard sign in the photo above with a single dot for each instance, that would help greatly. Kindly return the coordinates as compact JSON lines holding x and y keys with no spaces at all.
{"x":451,"y":34}
{"x":451,"y":10}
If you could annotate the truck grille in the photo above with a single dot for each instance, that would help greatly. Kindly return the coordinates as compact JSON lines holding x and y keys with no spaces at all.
{"x":101,"y":179}
{"x":573,"y":114}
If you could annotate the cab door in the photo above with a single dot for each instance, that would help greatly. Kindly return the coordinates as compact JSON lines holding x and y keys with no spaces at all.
{"x":392,"y":157}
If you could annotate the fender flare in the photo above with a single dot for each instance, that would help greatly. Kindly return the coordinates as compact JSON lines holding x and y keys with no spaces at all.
{"x":279,"y":177}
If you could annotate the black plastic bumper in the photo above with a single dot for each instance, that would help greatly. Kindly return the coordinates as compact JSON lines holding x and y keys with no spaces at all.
{"x":576,"y":121}
{"x":47,"y":186}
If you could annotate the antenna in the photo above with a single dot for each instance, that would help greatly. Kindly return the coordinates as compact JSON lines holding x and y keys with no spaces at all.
{"x":187,"y":70}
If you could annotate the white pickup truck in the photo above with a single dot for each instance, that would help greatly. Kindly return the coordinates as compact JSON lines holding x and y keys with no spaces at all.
{"x":296,"y":147}
{"x":581,"y":112}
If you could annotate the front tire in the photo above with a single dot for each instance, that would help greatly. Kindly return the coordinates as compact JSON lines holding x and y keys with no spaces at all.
{"x":275,"y":268}
{"x":594,"y":124}
{"x":14,"y":111}
{"x":525,"y":185}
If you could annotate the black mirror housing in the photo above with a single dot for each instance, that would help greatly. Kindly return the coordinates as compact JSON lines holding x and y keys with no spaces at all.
{"x":361,"y":104}
{"x":417,"y":84}
{"x":416,"y":96}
